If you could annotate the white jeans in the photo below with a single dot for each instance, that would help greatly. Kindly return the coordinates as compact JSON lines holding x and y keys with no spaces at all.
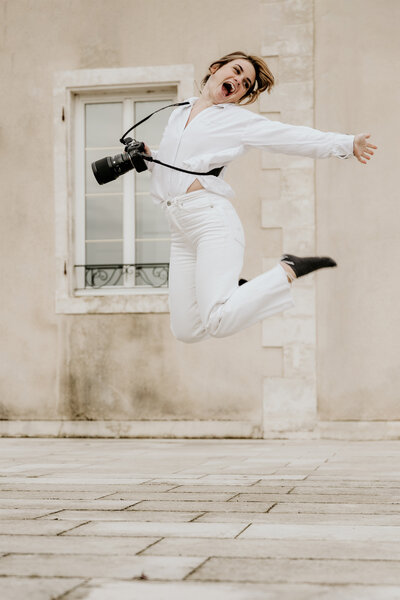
{"x":207,"y":248}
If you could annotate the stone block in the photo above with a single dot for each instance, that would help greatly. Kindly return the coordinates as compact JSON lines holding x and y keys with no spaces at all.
{"x":275,"y":160}
{"x":272,"y":212}
{"x":273,"y":62}
{"x":286,"y":211}
{"x":303,"y":118}
{"x":296,"y":68}
{"x":273,"y":333}
{"x":270,"y":105}
{"x":270,"y":262}
{"x":304,"y":299}
{"x":288,"y":403}
{"x":171,"y":529}
{"x":272,"y":113}
{"x":270,"y":187}
{"x":272,"y":362}
{"x":297,"y":187}
{"x":272,"y":241}
{"x":299,"y":241}
{"x":299,"y":360}
{"x":297,"y":39}
{"x":272,"y":19}
{"x":286,"y":96}
{"x":283,"y":329}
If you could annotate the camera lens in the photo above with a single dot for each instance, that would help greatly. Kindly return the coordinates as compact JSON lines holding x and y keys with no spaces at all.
{"x":103,"y":170}
{"x":109,"y":168}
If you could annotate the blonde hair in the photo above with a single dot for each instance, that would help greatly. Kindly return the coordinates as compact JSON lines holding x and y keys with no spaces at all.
{"x":264,"y":79}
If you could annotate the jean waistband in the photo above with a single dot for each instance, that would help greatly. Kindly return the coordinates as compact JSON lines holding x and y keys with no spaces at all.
{"x":191,"y":196}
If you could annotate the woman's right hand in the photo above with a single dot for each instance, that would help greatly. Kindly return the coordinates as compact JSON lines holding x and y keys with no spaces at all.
{"x":362,"y":148}
{"x":147,"y":149}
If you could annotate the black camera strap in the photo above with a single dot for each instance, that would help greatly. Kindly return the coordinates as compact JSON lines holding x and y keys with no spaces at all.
{"x":122,"y":140}
{"x":148,"y":158}
{"x":214,"y":172}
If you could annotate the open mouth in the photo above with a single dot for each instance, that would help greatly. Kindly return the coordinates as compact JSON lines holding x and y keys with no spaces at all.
{"x":228,"y":88}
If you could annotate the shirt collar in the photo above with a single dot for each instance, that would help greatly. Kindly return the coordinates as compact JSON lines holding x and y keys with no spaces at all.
{"x":223,"y":105}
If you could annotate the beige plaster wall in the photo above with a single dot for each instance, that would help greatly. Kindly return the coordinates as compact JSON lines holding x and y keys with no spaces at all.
{"x":107,"y":366}
{"x":358,"y":90}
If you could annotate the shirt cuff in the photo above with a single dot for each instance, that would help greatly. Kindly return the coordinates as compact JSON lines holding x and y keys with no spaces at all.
{"x":344,"y":146}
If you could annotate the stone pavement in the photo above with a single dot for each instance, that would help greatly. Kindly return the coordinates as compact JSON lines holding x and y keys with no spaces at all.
{"x":199,"y":520}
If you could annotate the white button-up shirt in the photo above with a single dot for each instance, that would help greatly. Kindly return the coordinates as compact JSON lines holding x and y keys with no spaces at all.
{"x":223,"y":132}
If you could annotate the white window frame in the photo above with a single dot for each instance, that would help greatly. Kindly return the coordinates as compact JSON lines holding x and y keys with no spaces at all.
{"x":67,"y":85}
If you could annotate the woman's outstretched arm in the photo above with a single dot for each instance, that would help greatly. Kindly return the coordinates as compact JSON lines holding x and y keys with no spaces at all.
{"x":260,"y":132}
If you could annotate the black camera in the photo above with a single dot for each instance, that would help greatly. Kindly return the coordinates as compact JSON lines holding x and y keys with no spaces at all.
{"x":109,"y":168}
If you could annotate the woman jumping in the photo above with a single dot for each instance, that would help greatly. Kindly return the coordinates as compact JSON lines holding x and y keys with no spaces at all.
{"x":207,"y":239}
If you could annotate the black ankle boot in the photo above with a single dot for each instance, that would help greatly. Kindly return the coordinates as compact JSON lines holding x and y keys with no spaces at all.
{"x":242,"y":281}
{"x":307,"y":264}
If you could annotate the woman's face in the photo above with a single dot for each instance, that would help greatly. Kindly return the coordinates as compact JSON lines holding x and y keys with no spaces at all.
{"x":231,"y":81}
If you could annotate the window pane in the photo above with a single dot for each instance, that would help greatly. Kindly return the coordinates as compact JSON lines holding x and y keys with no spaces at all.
{"x":150,"y":219}
{"x":151,"y":131}
{"x":152,"y":251}
{"x":104,"y":217}
{"x":142,"y":182}
{"x":104,"y":253}
{"x":103,"y":124}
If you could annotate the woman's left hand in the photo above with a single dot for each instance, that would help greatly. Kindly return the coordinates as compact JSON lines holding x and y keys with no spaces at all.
{"x":362,"y":149}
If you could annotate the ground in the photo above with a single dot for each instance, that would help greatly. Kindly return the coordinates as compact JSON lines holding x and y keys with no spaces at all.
{"x":199,"y":520}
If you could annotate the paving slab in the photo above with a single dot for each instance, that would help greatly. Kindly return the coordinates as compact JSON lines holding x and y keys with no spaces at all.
{"x":175,"y":496}
{"x":19,"y":513}
{"x":320,"y":532}
{"x":170,"y":529}
{"x":150,"y":590}
{"x":334,"y":572}
{"x":267,"y":548}
{"x":298,"y":518}
{"x":109,"y":545}
{"x":332,"y":508}
{"x":328,"y":498}
{"x":186,"y":505}
{"x":115,"y":567}
{"x":28,"y":527}
{"x":233,"y":489}
{"x":49,"y":504}
{"x":122,"y":515}
{"x":49,"y":588}
{"x":50,"y":495}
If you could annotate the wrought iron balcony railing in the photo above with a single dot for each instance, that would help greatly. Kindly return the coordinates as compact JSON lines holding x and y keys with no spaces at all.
{"x":122,"y":275}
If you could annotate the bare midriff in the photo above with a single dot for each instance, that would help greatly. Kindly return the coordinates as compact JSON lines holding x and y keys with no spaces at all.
{"x":196,"y":185}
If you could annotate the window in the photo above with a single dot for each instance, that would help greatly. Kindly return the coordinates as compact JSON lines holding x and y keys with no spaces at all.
{"x":112,"y":241}
{"x":122,"y":238}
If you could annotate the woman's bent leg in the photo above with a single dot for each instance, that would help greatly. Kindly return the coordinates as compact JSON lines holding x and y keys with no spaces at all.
{"x":225,"y":308}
